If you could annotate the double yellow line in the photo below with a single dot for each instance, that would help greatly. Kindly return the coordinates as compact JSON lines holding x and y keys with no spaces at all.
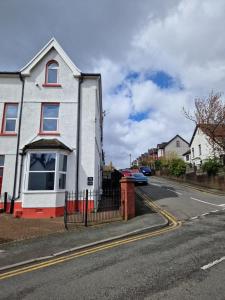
{"x":54,"y":261}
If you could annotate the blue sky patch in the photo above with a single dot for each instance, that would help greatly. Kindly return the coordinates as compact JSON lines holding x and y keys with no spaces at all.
{"x":139,"y":116}
{"x":162,"y":79}
{"x":132,"y":76}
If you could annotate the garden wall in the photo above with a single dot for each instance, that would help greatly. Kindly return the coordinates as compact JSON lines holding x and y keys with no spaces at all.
{"x":203,"y":180}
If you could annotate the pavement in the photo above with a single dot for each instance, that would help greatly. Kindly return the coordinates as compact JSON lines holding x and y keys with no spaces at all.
{"x":44,"y":246}
{"x":12,"y":228}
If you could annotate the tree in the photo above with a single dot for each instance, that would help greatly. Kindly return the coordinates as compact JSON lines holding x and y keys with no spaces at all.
{"x":209,"y":115}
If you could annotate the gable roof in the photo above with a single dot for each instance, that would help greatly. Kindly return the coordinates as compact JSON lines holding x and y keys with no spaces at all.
{"x":219,"y":130}
{"x":176,"y":136}
{"x":51,"y":44}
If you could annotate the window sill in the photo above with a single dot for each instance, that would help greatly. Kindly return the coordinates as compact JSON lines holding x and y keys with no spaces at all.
{"x":8,"y":134}
{"x":44,"y":192}
{"x":51,"y":85}
{"x":49,"y":133}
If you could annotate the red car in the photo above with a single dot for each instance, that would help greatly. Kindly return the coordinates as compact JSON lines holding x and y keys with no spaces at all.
{"x":126,"y":173}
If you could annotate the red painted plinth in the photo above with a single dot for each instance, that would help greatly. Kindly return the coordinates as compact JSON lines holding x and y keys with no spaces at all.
{"x":48,"y":212}
{"x":128,"y":197}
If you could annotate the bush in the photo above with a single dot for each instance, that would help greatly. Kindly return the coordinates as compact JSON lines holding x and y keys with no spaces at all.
{"x":177,"y":167}
{"x":211,"y":166}
{"x":158,"y":164}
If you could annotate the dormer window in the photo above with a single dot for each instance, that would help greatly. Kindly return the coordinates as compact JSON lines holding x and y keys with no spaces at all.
{"x":51,"y":74}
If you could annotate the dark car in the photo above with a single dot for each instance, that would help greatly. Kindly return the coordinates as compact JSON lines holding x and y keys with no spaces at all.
{"x":140,"y":178}
{"x":146,"y":171}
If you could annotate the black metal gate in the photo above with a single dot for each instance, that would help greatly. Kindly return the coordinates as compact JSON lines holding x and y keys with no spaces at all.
{"x":93,"y":207}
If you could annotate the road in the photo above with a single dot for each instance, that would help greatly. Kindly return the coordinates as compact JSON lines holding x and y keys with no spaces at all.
{"x":175,"y":265}
{"x":184,"y":202}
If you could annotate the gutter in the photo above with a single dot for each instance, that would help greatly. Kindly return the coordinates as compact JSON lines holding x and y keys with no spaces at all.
{"x":81,"y":78}
{"x":9,"y":73}
{"x":17,"y":149}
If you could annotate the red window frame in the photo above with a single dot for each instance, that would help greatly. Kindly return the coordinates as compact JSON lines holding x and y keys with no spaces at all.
{"x":46,"y":83}
{"x":41,"y":132}
{"x":3,"y":131}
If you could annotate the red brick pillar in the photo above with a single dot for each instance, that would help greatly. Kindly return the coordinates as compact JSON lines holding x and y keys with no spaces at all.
{"x":127,"y":198}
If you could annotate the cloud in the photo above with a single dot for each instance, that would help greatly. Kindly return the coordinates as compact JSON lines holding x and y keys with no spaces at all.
{"x":161,"y":109}
{"x":185,"y":43}
{"x":154,"y":56}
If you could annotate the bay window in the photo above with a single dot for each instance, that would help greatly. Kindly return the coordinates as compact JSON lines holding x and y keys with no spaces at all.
{"x":62,"y":171}
{"x":47,"y":171}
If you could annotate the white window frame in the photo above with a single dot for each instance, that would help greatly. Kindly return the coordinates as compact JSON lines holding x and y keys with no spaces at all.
{"x":61,"y":172}
{"x":49,"y":118}
{"x":56,"y":171}
{"x":52,"y":68}
{"x":7,"y":118}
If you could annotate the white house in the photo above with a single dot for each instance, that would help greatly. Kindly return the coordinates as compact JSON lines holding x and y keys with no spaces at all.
{"x":187,"y":156}
{"x":161,"y":150}
{"x":200,"y":147}
{"x":177,"y":145}
{"x":51,"y":133}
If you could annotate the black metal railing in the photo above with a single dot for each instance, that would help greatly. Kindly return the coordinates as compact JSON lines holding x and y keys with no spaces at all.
{"x":92,"y":207}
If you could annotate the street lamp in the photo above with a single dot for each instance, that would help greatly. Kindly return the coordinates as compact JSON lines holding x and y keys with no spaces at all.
{"x":130,"y":159}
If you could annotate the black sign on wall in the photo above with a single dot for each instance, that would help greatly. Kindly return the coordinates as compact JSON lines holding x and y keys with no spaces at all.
{"x":90,"y":180}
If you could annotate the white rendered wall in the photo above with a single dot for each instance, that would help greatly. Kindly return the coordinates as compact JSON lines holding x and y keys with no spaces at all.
{"x":206,"y":149}
{"x":10,"y":92}
{"x":43,"y":199}
{"x":160,"y":153}
{"x":87,"y":136}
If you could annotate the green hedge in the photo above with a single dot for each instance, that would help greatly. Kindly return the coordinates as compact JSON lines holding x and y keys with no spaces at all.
{"x":177,"y":167}
{"x":211,"y":166}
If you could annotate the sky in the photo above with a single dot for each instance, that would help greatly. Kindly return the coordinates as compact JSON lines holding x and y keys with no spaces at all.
{"x":155,"y":57}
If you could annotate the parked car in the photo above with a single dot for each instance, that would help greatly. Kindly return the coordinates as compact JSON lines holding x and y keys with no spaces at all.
{"x":126,"y":173}
{"x":140,"y":178}
{"x":146,"y":171}
{"x":136,"y":170}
